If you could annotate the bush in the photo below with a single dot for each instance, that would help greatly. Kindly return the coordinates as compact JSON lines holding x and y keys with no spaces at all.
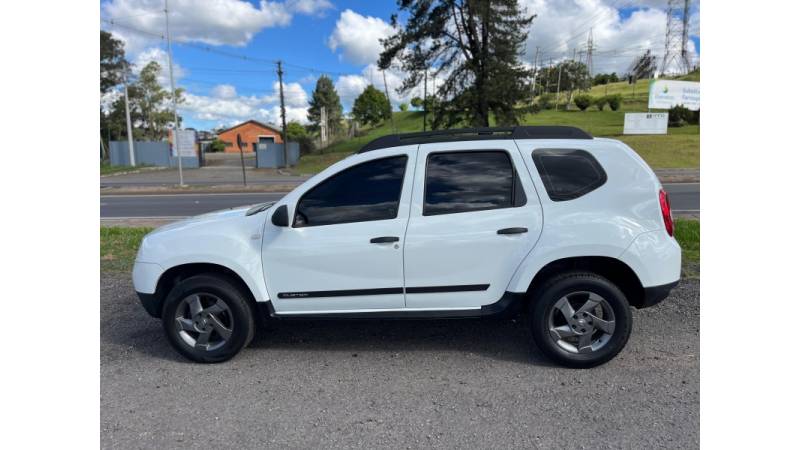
{"x":546,"y":101}
{"x":216,"y":146}
{"x":680,"y":116}
{"x":614,"y":101}
{"x":404,"y":107}
{"x":600,"y":103}
{"x":583,"y":101}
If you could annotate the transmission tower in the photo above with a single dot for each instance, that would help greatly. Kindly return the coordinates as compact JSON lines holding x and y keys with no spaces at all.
{"x":589,"y":48}
{"x":675,"y":52}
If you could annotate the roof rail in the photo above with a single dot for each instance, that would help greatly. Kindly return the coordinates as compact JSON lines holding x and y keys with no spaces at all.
{"x":475,"y":134}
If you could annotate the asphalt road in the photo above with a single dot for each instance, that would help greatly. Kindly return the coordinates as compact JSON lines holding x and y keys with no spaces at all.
{"x":398,"y":384}
{"x":684,"y":198}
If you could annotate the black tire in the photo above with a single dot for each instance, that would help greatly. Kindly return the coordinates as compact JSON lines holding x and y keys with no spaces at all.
{"x":241,"y":317}
{"x":552,"y":291}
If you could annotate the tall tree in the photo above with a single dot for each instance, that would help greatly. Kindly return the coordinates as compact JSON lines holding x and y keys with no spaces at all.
{"x":112,"y":61}
{"x":574,"y":75}
{"x":325,"y":95}
{"x":153,"y":102}
{"x":371,"y":107}
{"x":475,"y":45}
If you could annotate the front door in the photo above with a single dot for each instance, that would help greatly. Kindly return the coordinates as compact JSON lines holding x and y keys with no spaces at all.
{"x":475,"y":216}
{"x":342,"y":252}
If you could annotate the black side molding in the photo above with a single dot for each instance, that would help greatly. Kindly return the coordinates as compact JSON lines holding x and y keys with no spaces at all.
{"x":510,"y":303}
{"x":385,"y":291}
{"x":341,"y":293}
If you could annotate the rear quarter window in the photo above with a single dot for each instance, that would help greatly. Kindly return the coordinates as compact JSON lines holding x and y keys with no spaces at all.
{"x":568,"y":173}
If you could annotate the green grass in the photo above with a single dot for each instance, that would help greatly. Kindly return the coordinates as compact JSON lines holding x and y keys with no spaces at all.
{"x":687,"y":232}
{"x":680,"y":148}
{"x":118,"y":247}
{"x":107,"y":169}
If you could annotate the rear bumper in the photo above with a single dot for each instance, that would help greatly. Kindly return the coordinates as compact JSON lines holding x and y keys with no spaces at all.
{"x":655,"y":294}
{"x":152,"y":304}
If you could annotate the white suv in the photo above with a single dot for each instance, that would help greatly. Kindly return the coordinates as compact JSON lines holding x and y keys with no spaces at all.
{"x":571,"y":229}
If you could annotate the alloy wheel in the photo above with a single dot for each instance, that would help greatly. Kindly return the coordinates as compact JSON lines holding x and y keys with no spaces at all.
{"x":581,"y":322}
{"x":204,"y":321}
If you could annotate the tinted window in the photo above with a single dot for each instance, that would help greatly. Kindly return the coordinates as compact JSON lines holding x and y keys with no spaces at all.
{"x":568,"y":174}
{"x":368,"y":191}
{"x":470,"y":181}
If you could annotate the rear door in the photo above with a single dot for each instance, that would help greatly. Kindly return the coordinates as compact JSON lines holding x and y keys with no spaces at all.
{"x":475,"y":215}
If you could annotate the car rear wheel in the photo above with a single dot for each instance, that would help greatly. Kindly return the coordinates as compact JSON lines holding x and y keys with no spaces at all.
{"x":580,"y":319}
{"x":207,"y":318}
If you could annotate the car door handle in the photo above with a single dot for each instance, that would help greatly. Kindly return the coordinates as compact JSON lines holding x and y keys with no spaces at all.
{"x":384,"y":239}
{"x":514,"y":230}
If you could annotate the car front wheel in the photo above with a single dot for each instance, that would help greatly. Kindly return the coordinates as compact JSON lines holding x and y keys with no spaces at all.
{"x":580,"y":319}
{"x":207,"y":318}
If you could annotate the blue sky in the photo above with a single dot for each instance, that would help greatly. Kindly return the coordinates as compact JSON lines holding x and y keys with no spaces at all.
{"x":339,"y":38}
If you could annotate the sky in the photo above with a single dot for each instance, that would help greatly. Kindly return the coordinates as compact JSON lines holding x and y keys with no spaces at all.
{"x":224,"y":50}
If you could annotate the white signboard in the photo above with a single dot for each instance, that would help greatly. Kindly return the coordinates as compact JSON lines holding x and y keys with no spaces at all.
{"x":186,"y":142}
{"x":664,"y":94}
{"x":645,"y":123}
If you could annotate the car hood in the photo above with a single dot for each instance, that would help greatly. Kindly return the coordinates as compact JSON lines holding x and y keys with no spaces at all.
{"x":216,"y":216}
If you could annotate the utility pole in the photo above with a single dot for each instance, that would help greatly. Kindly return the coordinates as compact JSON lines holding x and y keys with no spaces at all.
{"x":535,"y":71}
{"x":323,"y":126}
{"x":283,"y":117}
{"x":677,"y":37}
{"x":558,"y":83}
{"x":425,"y":102}
{"x":131,"y":154}
{"x":386,"y":89}
{"x":174,"y":100}
{"x":589,"y":49}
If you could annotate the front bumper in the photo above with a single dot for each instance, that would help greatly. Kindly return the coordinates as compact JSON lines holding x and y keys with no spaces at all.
{"x":152,"y":304}
{"x":655,"y":294}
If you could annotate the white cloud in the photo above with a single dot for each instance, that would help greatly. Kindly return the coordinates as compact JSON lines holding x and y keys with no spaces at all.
{"x":160,"y":56}
{"x":225,"y":91}
{"x":309,"y":7}
{"x":563,"y":27}
{"x":358,"y":37}
{"x":219,"y":22}
{"x":226,"y":107}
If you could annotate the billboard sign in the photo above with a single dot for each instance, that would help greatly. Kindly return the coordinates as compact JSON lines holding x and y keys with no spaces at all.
{"x":664,"y":94}
{"x":645,"y":123}
{"x":186,"y":141}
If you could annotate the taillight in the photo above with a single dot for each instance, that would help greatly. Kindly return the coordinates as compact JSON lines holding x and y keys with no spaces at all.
{"x":666,"y":211}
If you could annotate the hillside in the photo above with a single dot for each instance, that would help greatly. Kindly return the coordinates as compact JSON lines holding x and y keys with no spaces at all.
{"x":679,"y":148}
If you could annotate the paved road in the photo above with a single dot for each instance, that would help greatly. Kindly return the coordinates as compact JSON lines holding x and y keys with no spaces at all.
{"x":398,"y":384}
{"x":684,"y":198}
{"x":206,"y":176}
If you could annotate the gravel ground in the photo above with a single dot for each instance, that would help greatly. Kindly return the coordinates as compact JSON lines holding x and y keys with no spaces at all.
{"x":398,"y":384}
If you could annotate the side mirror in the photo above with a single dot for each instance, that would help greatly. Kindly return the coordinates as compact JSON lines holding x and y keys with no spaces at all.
{"x":280,"y":218}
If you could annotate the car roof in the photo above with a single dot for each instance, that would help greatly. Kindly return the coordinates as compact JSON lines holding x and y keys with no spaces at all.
{"x":474,"y":134}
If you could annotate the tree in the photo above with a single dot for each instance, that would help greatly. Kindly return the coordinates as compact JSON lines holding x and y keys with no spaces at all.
{"x":574,"y":76}
{"x":475,"y":45}
{"x":325,"y":95}
{"x":371,"y":107}
{"x":416,"y":102}
{"x":296,"y":132}
{"x":216,"y":146}
{"x":152,"y":102}
{"x":404,"y":107}
{"x":112,"y":61}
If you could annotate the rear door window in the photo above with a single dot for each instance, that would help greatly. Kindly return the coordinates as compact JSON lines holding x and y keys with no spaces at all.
{"x":568,"y":173}
{"x":465,"y":181}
